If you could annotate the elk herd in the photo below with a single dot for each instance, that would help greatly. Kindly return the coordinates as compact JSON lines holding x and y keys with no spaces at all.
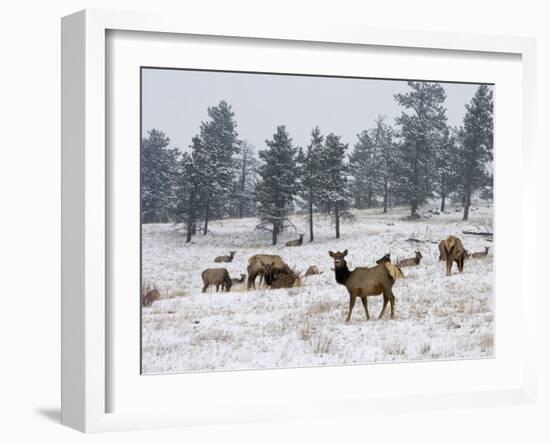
{"x":361,"y":282}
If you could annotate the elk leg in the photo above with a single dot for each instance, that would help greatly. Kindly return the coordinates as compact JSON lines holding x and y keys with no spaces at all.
{"x":352,"y":297}
{"x":252,"y":281}
{"x":204,"y":288}
{"x":365,"y":304}
{"x":392,"y":303}
{"x":386,"y":299}
{"x":449,"y":265}
{"x":460,"y":265}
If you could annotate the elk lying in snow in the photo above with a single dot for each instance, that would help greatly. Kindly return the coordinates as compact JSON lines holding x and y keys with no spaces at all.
{"x":256,"y":268}
{"x":286,"y":280}
{"x":149,"y":297}
{"x":312,"y":270}
{"x":296,"y":242}
{"x":238,"y":280}
{"x":363,"y":282}
{"x":411,"y":261}
{"x":225,"y":258}
{"x":278,"y":279}
{"x":452,"y":250}
{"x":217,"y":277}
{"x":481,"y":254}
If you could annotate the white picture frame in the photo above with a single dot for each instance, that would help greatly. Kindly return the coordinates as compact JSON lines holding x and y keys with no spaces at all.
{"x":85,"y":214}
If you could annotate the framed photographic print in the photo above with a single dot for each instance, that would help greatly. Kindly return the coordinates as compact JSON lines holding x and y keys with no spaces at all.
{"x":238,"y":201}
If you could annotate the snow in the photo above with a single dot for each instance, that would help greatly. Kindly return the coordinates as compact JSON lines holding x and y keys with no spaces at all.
{"x":438,"y":317}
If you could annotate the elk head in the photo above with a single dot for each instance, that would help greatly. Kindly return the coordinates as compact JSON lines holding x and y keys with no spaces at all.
{"x":339,"y":261}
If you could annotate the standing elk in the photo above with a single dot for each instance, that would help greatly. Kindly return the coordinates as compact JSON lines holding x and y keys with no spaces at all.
{"x":452,"y":250}
{"x":150,"y":297}
{"x":217,"y":277}
{"x":411,"y":261}
{"x":225,"y":258}
{"x":481,"y":254}
{"x":296,"y":242}
{"x":363,"y":282}
{"x":256,"y":268}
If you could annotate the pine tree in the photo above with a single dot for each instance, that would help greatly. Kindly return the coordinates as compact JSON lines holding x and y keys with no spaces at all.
{"x":189,"y":184}
{"x":213,"y":157}
{"x":386,"y":162}
{"x":278,"y":185}
{"x":158,"y":176}
{"x":310,"y":173}
{"x":421,"y":123}
{"x":368,"y":165}
{"x":335,"y":196}
{"x":445,"y":165}
{"x":361,"y":162}
{"x":476,"y":146}
{"x":243,"y":197}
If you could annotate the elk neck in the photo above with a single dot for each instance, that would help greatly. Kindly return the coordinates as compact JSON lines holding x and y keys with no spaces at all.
{"x":342,"y":274}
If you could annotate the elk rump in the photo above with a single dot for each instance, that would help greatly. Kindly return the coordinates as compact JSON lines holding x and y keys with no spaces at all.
{"x":453,"y":251}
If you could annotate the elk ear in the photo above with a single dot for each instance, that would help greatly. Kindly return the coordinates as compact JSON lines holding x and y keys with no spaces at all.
{"x":345,"y":252}
{"x":331,"y":254}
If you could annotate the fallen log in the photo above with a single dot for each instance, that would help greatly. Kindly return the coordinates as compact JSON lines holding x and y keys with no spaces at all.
{"x":467,"y":232}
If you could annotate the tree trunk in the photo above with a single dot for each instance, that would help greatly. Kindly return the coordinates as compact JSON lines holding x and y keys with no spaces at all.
{"x":243,"y":185}
{"x":275,"y":232}
{"x":385,"y":196}
{"x":310,"y":217}
{"x":337,"y":219}
{"x":206,"y":215}
{"x":414,"y":206}
{"x":467,"y":202}
{"x":443,"y":188}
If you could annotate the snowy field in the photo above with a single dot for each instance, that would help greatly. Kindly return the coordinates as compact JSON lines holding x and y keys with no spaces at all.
{"x":438,"y":317}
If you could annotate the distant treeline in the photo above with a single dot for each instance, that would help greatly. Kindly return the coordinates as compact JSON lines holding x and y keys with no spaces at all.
{"x":418,"y":158}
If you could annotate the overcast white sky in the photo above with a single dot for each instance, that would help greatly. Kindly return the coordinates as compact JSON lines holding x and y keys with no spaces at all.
{"x":175,"y":102}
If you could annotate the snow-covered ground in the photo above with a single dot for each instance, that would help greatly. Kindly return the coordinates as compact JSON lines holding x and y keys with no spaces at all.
{"x":438,"y":317}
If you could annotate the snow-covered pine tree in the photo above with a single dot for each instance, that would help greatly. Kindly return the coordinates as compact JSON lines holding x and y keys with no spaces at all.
{"x":243,"y":200}
{"x":278,"y":184}
{"x":188,"y":208}
{"x":369,"y":165}
{"x":361,"y":164}
{"x":386,"y":163}
{"x":310,"y":174}
{"x":158,"y":177}
{"x":445,"y":164}
{"x":335,"y":195}
{"x":476,"y":146}
{"x":213,"y":157}
{"x":421,"y":122}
